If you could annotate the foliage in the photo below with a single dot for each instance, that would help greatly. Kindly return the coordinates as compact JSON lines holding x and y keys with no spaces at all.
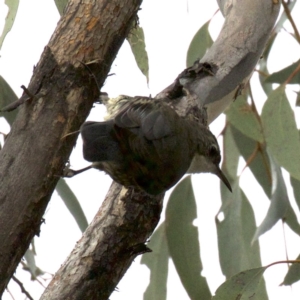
{"x":268,"y":142}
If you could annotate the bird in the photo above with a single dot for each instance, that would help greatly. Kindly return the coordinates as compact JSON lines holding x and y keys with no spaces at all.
{"x":146,"y":145}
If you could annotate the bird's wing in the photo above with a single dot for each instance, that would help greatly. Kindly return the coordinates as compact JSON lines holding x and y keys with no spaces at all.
{"x":147,"y":120}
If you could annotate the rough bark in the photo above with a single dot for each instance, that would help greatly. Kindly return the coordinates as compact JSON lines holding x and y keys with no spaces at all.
{"x":66,"y":93}
{"x":107,"y":248}
{"x":236,"y":51}
{"x":63,"y":89}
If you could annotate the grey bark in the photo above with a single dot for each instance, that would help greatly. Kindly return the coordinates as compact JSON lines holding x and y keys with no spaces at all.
{"x":246,"y":30}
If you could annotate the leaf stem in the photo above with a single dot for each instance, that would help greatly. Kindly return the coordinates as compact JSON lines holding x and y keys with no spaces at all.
{"x":283,"y":262}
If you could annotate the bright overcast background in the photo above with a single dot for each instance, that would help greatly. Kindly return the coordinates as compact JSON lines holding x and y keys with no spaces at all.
{"x":169,"y":27}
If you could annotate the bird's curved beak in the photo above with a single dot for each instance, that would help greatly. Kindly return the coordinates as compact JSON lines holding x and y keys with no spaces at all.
{"x":201,"y":164}
{"x":221,"y":175}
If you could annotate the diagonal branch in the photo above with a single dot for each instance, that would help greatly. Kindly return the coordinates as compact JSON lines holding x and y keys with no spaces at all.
{"x":38,"y":147}
{"x":235,"y":54}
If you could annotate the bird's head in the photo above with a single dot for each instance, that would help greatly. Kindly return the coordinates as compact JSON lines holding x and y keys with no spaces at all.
{"x":208,"y":157}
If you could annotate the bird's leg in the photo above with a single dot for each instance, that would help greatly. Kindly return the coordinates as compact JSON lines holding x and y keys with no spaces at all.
{"x":67,"y":172}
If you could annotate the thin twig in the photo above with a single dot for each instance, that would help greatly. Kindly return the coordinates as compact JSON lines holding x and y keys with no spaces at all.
{"x":12,"y":106}
{"x":27,"y":92}
{"x":285,"y":244}
{"x":264,"y":74}
{"x":40,"y":282}
{"x":68,"y":134}
{"x":10,"y":293}
{"x":296,"y":261}
{"x":22,"y":288}
{"x":289,"y":16}
{"x":90,"y":72}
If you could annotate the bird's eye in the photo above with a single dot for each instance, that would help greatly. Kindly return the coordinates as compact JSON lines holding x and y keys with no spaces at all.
{"x":213,"y":151}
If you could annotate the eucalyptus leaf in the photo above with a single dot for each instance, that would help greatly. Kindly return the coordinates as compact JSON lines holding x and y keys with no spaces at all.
{"x":281,"y":132}
{"x":72,"y":204}
{"x":263,"y":66}
{"x":231,"y":154}
{"x":243,"y":286}
{"x":293,"y":274}
{"x":200,"y":43}
{"x":298,"y":99}
{"x":183,"y":242}
{"x":61,"y":4}
{"x":235,"y":232}
{"x":279,"y":202}
{"x":136,"y":39}
{"x":282,"y":75}
{"x":241,"y":115}
{"x":7,"y":96}
{"x":10,"y":18}
{"x":157,"y":261}
{"x":259,"y":164}
{"x":290,"y":218}
{"x":296,"y":188}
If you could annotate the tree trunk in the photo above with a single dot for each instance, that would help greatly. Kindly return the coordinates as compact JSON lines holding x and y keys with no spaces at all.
{"x":63,"y":90}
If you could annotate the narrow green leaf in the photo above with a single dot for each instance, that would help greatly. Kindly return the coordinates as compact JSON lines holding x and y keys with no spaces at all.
{"x":282,"y":75}
{"x":235,"y":233}
{"x":293,"y":274}
{"x":243,"y":286}
{"x":290,"y":219}
{"x":72,"y":204}
{"x":61,"y":4}
{"x":157,"y":261}
{"x":279,"y":202}
{"x":259,"y":166}
{"x":182,"y":238}
{"x":241,"y":116}
{"x":10,"y":18}
{"x":281,"y":132}
{"x":136,"y":39}
{"x":231,"y":154}
{"x":267,"y":87}
{"x":199,"y":45}
{"x":298,"y":99}
{"x":296,"y":188}
{"x":7,"y":96}
{"x":230,"y":232}
{"x":263,"y":66}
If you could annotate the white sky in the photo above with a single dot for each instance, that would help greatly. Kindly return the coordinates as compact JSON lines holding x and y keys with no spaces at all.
{"x":169,"y":27}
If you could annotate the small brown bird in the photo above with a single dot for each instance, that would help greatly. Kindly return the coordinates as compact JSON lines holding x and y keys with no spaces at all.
{"x":147,"y":145}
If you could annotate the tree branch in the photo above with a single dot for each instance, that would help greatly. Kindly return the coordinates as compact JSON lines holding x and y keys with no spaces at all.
{"x":37,"y":148}
{"x":107,"y":248}
{"x":235,"y":54}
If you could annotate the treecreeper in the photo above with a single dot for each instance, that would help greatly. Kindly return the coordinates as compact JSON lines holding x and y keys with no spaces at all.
{"x":146,"y":145}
